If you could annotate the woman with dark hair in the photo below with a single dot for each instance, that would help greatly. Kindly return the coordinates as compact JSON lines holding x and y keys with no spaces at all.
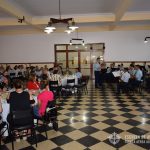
{"x":18,"y":100}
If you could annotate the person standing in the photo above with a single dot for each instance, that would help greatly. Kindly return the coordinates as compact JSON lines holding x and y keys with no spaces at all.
{"x":97,"y":69}
{"x":138,"y":75}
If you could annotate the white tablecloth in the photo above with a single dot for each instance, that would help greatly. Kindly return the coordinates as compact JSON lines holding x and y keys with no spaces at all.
{"x":64,"y":80}
{"x":5,"y":113}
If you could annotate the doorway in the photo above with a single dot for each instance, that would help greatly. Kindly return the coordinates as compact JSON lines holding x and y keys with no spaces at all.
{"x":78,"y":56}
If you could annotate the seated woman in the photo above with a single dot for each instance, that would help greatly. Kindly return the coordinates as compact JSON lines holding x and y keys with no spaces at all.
{"x":43,"y":98}
{"x":18,"y":100}
{"x":32,"y":84}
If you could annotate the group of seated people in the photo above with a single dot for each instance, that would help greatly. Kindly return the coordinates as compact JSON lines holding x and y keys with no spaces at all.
{"x":44,"y":73}
{"x":130,"y":78}
{"x":20,"y":99}
{"x":21,"y":90}
{"x":35,"y":81}
{"x":108,"y":76}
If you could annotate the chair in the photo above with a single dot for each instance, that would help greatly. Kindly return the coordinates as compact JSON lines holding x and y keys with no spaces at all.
{"x":44,"y":124}
{"x":55,"y":88}
{"x":12,"y":75}
{"x":20,"y":74}
{"x":135,"y":86}
{"x":12,"y":78}
{"x":69,"y":88}
{"x":3,"y":129}
{"x":84,"y":83}
{"x":21,"y":120}
{"x":79,"y":86}
{"x":124,"y":87}
{"x":70,"y":84}
{"x":140,"y":86}
{"x":50,"y":116}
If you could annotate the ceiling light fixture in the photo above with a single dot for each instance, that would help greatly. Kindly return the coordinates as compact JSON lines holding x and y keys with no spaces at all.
{"x":71,"y":26}
{"x":68,"y":30}
{"x":81,"y":41}
{"x":73,"y":39}
{"x":145,"y":40}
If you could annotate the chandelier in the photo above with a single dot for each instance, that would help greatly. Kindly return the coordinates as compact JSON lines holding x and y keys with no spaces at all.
{"x":70,"y":24}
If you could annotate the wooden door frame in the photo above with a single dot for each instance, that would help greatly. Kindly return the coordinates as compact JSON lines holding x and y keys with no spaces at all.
{"x":79,"y":55}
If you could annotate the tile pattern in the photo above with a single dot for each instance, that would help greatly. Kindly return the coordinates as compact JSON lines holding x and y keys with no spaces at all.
{"x":86,"y":122}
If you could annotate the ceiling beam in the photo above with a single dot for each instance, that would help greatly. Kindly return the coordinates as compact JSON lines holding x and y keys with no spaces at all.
{"x":120,"y":11}
{"x":17,"y":12}
{"x":122,"y":8}
{"x":136,"y":16}
{"x":109,"y":17}
{"x":44,"y":20}
{"x":81,"y":29}
{"x":133,"y":16}
{"x":11,"y":22}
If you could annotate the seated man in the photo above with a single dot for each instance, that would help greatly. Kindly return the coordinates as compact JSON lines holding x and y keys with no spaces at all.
{"x":137,"y":77}
{"x":132,"y":71}
{"x":138,"y":74}
{"x":123,"y":81}
{"x":78,"y":74}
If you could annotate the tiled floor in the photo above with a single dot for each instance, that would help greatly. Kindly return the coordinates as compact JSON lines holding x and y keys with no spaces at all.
{"x":86,"y":122}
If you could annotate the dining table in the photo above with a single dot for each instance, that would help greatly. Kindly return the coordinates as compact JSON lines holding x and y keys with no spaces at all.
{"x":5,"y":107}
{"x":64,"y":79}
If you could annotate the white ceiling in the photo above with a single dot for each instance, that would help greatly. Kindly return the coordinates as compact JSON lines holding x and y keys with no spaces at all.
{"x":50,"y":7}
{"x":96,"y":13}
{"x":140,"y":5}
{"x":4,"y":14}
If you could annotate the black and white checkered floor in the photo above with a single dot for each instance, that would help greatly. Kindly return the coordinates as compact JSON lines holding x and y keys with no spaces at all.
{"x":100,"y":120}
